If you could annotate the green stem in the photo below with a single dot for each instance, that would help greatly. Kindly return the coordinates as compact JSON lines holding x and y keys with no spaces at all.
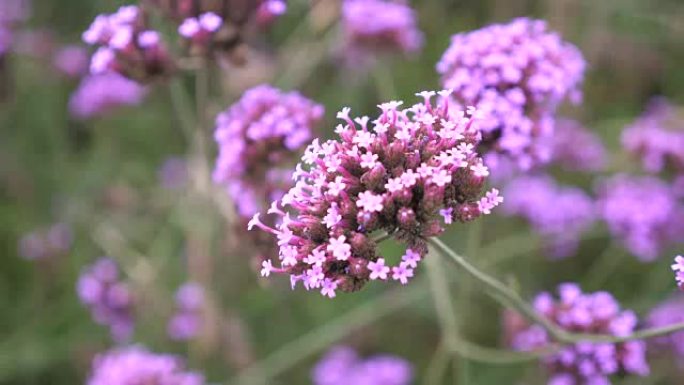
{"x":509,"y":298}
{"x":180,"y":104}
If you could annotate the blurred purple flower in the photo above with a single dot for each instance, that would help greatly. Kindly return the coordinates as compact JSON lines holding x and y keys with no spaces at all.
{"x":585,"y":363}
{"x":100,"y":94}
{"x":173,"y":174}
{"x":559,"y":214}
{"x":643,"y":213}
{"x":668,"y":313}
{"x":48,"y":243}
{"x":405,"y":173}
{"x":108,"y":298}
{"x":71,"y":60}
{"x":342,"y":366}
{"x":259,"y":138}
{"x":5,"y":40}
{"x":516,"y":74}
{"x":134,"y":365}
{"x":575,"y":148}
{"x":187,"y":321}
{"x":126,"y":46}
{"x":372,"y":26}
{"x":14,"y":11}
{"x":657,"y":137}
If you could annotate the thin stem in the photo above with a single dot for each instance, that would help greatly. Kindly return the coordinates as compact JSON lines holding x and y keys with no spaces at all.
{"x":318,"y":339}
{"x":180,"y":104}
{"x":434,"y":374}
{"x":509,"y":298}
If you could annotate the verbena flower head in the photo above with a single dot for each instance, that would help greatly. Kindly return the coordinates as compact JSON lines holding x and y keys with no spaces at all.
{"x":127,"y":46}
{"x":678,"y":268}
{"x":187,"y":321}
{"x":342,"y":366}
{"x":135,"y":365}
{"x":220,"y":26}
{"x":99,"y":95}
{"x":657,"y":137}
{"x":516,"y":74}
{"x":372,"y":26}
{"x":575,"y":148}
{"x":643,"y":213}
{"x":259,"y":138}
{"x":406,"y":173}
{"x":46,"y":243}
{"x":109,"y":299}
{"x":668,"y":313}
{"x":585,"y":363}
{"x":559,"y":214}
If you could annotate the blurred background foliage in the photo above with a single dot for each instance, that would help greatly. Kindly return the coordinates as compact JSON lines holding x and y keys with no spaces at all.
{"x":101,"y":177}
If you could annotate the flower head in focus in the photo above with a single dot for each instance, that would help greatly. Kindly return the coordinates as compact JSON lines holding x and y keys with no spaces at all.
{"x":99,"y":95}
{"x":516,"y":74}
{"x":372,"y":26}
{"x":585,"y":363}
{"x":559,"y":214}
{"x":110,"y":301}
{"x":657,"y":137}
{"x":125,"y":45}
{"x":46,"y":243}
{"x":187,"y":321}
{"x":678,"y":268}
{"x":643,"y":213}
{"x":406,"y":173}
{"x":342,"y":366}
{"x":135,"y":365}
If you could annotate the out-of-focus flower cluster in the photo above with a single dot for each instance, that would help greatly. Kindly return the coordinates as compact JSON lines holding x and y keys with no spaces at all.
{"x":109,"y":299}
{"x":220,"y":25}
{"x":643,"y":213}
{"x":342,"y":366}
{"x":559,"y":214}
{"x":12,"y":12}
{"x":575,"y":148}
{"x":406,"y":174}
{"x":136,"y":366}
{"x":516,"y":74}
{"x":186,"y":323}
{"x":127,"y":46}
{"x":258,"y":138}
{"x":657,"y":137}
{"x":668,"y":313}
{"x":372,"y":26}
{"x":98,"y":95}
{"x":585,"y":363}
{"x":46,"y":244}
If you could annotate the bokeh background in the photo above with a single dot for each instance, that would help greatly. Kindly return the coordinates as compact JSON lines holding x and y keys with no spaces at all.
{"x":102,"y":177}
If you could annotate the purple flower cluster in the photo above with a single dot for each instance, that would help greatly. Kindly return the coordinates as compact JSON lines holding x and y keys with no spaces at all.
{"x":643,"y":213}
{"x":657,"y":137}
{"x":11,"y":13}
{"x":379,"y":25}
{"x":46,"y":244}
{"x":135,"y":365}
{"x":342,"y":366}
{"x":100,"y":94}
{"x":559,"y":214}
{"x":220,"y":25}
{"x":516,"y":74}
{"x":187,"y":321}
{"x":258,"y":137}
{"x":575,"y":148}
{"x":585,"y":363}
{"x":668,"y":313}
{"x":405,"y":174}
{"x":127,"y":46}
{"x":678,"y":268}
{"x":109,"y":299}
